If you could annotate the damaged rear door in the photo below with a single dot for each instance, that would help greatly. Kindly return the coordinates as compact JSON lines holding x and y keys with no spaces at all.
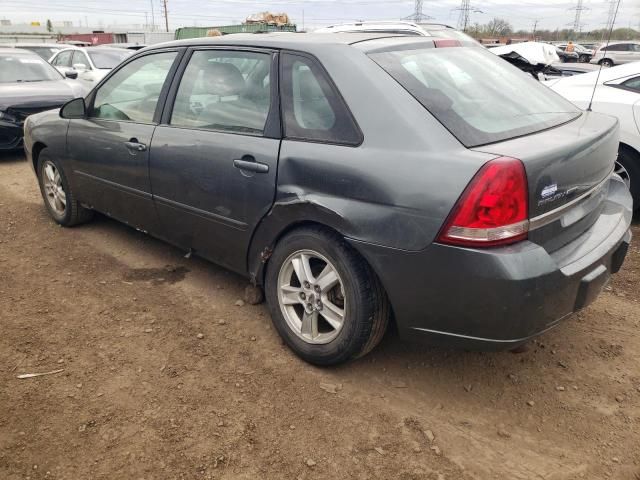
{"x":214,"y":158}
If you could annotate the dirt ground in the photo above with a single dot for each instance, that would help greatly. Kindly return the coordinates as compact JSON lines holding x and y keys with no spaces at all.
{"x":165,"y":377}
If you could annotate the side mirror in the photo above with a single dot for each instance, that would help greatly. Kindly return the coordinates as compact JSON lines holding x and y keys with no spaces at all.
{"x":73,"y":109}
{"x":81,"y":67}
{"x":71,"y":74}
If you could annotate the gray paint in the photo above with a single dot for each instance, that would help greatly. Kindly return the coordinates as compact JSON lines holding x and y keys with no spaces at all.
{"x":388,"y":196}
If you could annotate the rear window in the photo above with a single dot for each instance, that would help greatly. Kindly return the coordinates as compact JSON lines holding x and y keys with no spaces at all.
{"x":476,"y":95}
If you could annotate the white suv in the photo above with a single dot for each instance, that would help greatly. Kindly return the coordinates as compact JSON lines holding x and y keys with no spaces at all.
{"x":617,"y":53}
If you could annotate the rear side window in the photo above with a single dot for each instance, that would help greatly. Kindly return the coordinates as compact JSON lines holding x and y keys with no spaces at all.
{"x":475,"y":94}
{"x":224,"y":90}
{"x":313,"y":109}
{"x":632,"y":84}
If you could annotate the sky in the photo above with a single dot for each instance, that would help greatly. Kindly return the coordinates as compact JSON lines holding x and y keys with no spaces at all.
{"x":550,"y":14}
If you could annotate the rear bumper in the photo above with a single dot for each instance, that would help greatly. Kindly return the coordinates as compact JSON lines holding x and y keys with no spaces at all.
{"x":500,"y":298}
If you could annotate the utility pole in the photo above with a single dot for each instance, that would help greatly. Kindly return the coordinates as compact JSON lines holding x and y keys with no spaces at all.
{"x":166,"y":14}
{"x":417,"y":15}
{"x":535,"y":25}
{"x":153,"y":17}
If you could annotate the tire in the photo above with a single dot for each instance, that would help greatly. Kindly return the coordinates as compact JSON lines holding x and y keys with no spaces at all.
{"x":357,"y":293}
{"x":628,"y":167}
{"x":62,"y":207}
{"x":584,"y":58}
{"x":606,"y":62}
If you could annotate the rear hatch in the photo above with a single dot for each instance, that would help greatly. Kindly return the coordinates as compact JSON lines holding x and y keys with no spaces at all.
{"x":567,"y":168}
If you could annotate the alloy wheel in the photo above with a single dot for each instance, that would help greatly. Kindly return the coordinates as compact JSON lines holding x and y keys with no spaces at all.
{"x":311,"y":297}
{"x":53,"y":189}
{"x":623,"y":173}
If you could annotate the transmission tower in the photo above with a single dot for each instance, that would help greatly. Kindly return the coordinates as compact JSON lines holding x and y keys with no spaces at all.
{"x":463,"y":18}
{"x":417,"y":15}
{"x":577,"y":25}
{"x":612,"y":14}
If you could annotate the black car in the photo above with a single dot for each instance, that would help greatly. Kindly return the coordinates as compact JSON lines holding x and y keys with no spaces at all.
{"x":28,"y":85}
{"x":567,"y":57}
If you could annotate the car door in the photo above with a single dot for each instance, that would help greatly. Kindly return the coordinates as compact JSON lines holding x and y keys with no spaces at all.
{"x":214,"y":157}
{"x":634,"y":54}
{"x":621,"y":53}
{"x":62,"y":61}
{"x":109,"y":148}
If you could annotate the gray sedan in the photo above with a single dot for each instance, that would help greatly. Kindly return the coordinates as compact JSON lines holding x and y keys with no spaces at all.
{"x":359,"y":178}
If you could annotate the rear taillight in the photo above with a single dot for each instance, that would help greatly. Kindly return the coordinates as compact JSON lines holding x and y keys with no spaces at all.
{"x":493,"y":209}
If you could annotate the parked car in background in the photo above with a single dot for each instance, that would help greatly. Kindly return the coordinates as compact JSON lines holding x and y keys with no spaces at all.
{"x":45,"y":50}
{"x":617,"y":94}
{"x":404,"y":28}
{"x":617,"y":53}
{"x":560,"y":69}
{"x":88,"y":65}
{"x":358,"y":174}
{"x":535,"y":58}
{"x":567,"y":57}
{"x":584,"y":54}
{"x":28,"y":85}
{"x":128,"y":46}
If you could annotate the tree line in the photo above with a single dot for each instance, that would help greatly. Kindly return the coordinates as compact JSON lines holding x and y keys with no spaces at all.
{"x":499,"y":27}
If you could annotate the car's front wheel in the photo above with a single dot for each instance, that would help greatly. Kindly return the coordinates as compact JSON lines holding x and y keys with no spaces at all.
{"x":606,"y":62}
{"x":325,"y":301}
{"x":57,"y":194}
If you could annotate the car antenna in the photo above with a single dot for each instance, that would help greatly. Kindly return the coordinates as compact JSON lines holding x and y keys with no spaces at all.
{"x":613,"y":21}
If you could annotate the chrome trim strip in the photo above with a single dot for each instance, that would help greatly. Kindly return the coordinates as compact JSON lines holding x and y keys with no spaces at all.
{"x":553,"y":215}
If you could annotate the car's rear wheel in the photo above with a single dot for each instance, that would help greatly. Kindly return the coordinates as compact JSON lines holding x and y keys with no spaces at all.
{"x":325,"y":301}
{"x":584,"y":58}
{"x":57,"y":194}
{"x":606,"y":62}
{"x":628,"y":167}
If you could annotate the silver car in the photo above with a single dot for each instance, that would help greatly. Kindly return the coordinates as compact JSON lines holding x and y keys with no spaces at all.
{"x":88,"y":65}
{"x":617,"y":53}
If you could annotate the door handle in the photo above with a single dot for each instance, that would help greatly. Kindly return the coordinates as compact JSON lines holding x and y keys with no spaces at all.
{"x":134,"y":146}
{"x":249,"y":164}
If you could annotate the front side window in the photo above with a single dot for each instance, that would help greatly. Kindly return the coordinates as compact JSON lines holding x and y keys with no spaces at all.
{"x":313,"y":109}
{"x":224,"y":90}
{"x":80,"y":58}
{"x":132,"y":93}
{"x":475,"y":94}
{"x":63,"y":59}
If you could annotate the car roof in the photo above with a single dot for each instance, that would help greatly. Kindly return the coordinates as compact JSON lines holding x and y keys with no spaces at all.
{"x":309,"y":42}
{"x":46,"y":45}
{"x":17,"y":51}
{"x":617,"y":42}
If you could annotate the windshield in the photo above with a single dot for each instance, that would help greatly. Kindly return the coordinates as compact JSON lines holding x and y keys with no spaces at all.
{"x":108,"y":59}
{"x":476,"y":95}
{"x":26,"y":68}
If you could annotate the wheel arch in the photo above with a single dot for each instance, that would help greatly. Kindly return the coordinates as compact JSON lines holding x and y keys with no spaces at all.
{"x":286,"y":217}
{"x":36,"y":150}
{"x":632,"y":150}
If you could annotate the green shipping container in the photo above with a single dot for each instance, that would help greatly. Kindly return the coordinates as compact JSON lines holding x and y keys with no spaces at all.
{"x":197,"y":32}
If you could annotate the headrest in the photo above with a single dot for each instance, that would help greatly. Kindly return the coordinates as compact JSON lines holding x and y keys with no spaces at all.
{"x":222,"y":79}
